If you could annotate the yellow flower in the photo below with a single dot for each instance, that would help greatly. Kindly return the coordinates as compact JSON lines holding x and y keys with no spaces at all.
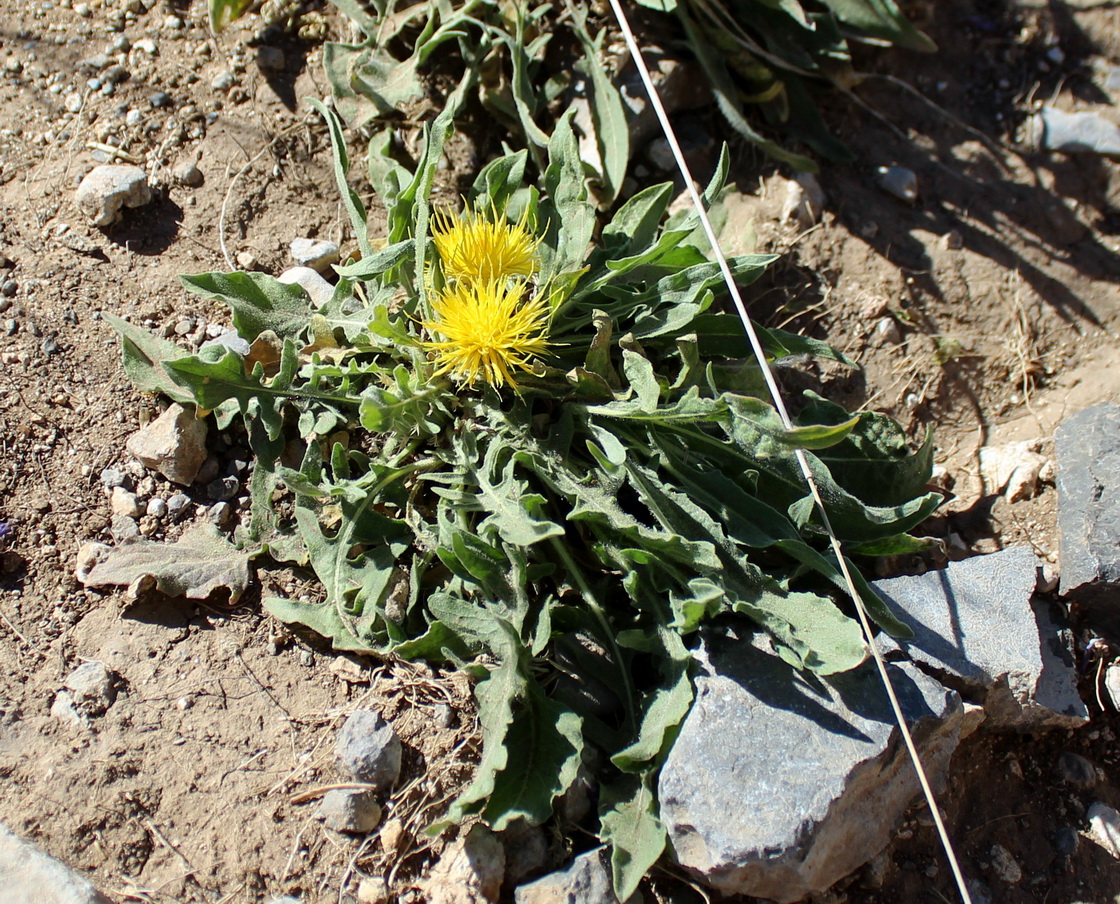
{"x":491,"y":329}
{"x":473,"y":248}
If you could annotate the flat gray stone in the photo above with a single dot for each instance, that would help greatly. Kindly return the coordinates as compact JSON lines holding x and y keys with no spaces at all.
{"x":976,"y":621}
{"x":351,"y":811}
{"x":28,"y":876}
{"x":587,"y":880}
{"x":1087,"y":446}
{"x":311,"y":281}
{"x":781,"y":783}
{"x":1084,"y":132}
{"x":368,"y":749}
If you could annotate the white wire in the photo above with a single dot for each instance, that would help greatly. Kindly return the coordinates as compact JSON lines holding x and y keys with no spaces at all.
{"x":779,"y":405}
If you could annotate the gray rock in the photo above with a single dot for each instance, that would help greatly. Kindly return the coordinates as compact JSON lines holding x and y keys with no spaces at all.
{"x":114,"y":477}
{"x":526,"y":850}
{"x":1005,"y":866}
{"x":1071,"y":133}
{"x":178,"y":504}
{"x":108,"y":188}
{"x":28,"y":876}
{"x":122,"y":528}
{"x":91,"y":686}
{"x":318,"y":289}
{"x":156,"y":507}
{"x":314,"y":253}
{"x":173,"y":444}
{"x":976,"y":621}
{"x":1066,"y":841}
{"x":63,"y":709}
{"x":899,"y":181}
{"x":780,"y":783}
{"x":270,"y":59}
{"x":1104,"y":827}
{"x":223,"y":81}
{"x":351,"y":811}
{"x":187,"y":173}
{"x":586,"y":881}
{"x":368,"y":749}
{"x":680,"y":84}
{"x":1087,"y":448}
{"x":1074,"y":769}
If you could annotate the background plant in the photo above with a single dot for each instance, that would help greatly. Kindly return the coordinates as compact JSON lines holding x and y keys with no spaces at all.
{"x":563,"y":542}
{"x":763,"y":60}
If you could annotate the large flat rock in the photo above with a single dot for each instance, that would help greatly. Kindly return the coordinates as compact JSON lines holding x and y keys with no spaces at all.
{"x":781,"y":783}
{"x":28,"y":876}
{"x":1087,"y":446}
{"x":977,"y":622}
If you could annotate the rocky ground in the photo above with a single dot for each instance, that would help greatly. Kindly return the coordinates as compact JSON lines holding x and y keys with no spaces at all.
{"x":190,"y":768}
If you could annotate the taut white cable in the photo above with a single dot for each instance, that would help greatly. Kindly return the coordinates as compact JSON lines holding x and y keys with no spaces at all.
{"x":779,"y":405}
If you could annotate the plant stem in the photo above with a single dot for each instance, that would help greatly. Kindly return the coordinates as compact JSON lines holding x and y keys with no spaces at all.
{"x":601,"y":617}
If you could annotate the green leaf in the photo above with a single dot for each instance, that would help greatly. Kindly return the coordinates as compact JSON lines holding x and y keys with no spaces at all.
{"x":200,"y":562}
{"x":531,"y":746}
{"x":881,"y":19}
{"x":664,"y":708}
{"x":354,"y":206}
{"x":898,"y":545}
{"x":566,"y":209}
{"x":143,"y":357}
{"x":258,"y":301}
{"x":378,"y":262}
{"x":223,"y":12}
{"x":213,"y":381}
{"x":634,"y":226}
{"x":612,"y":134}
{"x":629,"y":823}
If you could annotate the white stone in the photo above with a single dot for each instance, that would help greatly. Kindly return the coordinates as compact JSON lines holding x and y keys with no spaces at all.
{"x":1104,"y":827}
{"x":173,"y":444}
{"x":318,"y":289}
{"x":122,"y":502}
{"x":314,"y":253}
{"x":108,"y":188}
{"x":1013,"y":469}
{"x":28,"y":875}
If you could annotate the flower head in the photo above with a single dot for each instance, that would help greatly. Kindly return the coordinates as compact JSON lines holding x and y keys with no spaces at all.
{"x":491,"y":329}
{"x":473,"y":248}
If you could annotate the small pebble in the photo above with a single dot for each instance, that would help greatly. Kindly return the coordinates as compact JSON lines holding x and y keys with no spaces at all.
{"x":1005,"y":866}
{"x":9,"y":288}
{"x":113,"y":477}
{"x":134,"y":118}
{"x":146,"y":45}
{"x":178,"y":504}
{"x":223,"y":488}
{"x":219,"y":513}
{"x":122,"y":502}
{"x":124,"y":528}
{"x":1066,"y":841}
{"x":223,"y":81}
{"x":900,"y":182}
{"x":270,"y":59}
{"x":188,"y":173}
{"x":160,"y":99}
{"x":72,"y":103}
{"x":156,"y":507}
{"x":1075,"y":770}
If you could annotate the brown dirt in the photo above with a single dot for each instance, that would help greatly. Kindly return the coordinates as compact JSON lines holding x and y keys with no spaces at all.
{"x":185,"y":789}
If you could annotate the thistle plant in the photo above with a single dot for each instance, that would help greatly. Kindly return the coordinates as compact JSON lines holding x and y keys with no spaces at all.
{"x":532,"y":450}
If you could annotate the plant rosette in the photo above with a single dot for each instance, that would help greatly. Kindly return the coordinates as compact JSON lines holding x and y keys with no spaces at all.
{"x":535,"y":452}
